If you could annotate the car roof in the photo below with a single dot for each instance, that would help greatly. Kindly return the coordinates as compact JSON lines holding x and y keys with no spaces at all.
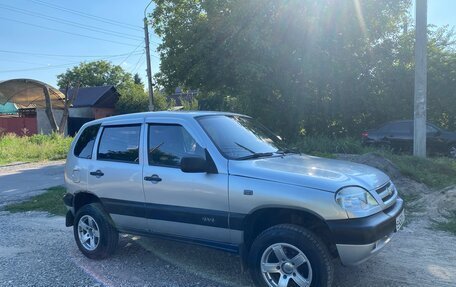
{"x":161,"y":114}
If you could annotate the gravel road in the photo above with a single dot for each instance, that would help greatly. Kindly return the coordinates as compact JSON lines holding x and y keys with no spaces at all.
{"x":38,"y":250}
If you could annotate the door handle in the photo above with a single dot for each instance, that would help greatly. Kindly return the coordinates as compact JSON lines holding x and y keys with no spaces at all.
{"x":97,"y":173}
{"x":154,"y":178}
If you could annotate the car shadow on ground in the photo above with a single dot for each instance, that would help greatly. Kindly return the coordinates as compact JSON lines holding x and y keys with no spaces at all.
{"x":224,"y":269}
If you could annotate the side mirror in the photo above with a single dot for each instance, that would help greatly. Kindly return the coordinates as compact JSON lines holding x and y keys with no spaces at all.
{"x":194,"y":164}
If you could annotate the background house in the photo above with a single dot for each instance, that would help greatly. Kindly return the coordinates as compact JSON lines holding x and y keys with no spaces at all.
{"x":90,"y":103}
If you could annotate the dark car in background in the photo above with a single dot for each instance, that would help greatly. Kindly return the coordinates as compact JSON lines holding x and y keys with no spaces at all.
{"x":398,"y":135}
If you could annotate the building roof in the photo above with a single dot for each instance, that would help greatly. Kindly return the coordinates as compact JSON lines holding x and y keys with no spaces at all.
{"x":29,"y":93}
{"x":100,"y":97}
{"x":8,"y":108}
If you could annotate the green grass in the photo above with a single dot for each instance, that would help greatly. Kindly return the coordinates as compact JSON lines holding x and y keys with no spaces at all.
{"x":435,"y":172}
{"x":33,"y":148}
{"x":50,"y":201}
{"x":326,"y":146}
{"x":448,"y":225}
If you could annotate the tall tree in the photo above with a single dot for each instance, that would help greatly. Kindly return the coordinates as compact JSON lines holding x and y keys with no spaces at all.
{"x":311,"y":63}
{"x":96,"y":73}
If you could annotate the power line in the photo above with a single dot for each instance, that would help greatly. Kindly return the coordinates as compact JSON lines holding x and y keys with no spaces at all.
{"x":129,"y":55}
{"x":71,"y":23}
{"x":71,"y":33}
{"x":49,"y":66}
{"x":87,"y":15}
{"x":63,"y":55}
{"x":133,"y":71}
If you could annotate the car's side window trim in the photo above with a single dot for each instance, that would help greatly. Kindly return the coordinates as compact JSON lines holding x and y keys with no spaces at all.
{"x":100,"y":136}
{"x":148,"y":125}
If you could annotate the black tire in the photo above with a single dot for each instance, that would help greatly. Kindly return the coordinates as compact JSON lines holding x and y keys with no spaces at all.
{"x":108,"y":236}
{"x":305,"y":241}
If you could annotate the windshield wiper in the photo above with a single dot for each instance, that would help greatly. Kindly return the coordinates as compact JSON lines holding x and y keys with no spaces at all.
{"x":246,"y":148}
{"x":285,"y":151}
{"x":255,"y":155}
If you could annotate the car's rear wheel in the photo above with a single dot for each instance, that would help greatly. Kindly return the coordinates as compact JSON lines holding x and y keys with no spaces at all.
{"x":290,"y":255}
{"x":95,"y":236}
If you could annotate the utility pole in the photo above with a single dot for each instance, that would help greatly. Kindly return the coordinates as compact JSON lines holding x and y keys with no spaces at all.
{"x":419,"y":128}
{"x":149,"y":71}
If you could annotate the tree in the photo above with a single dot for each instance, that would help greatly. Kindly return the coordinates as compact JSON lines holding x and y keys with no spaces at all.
{"x":135,"y":99}
{"x":137,"y":79}
{"x":318,"y":65}
{"x":96,"y":73}
{"x":100,"y":73}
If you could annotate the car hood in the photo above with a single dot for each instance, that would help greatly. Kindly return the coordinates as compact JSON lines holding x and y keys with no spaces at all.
{"x":309,"y":171}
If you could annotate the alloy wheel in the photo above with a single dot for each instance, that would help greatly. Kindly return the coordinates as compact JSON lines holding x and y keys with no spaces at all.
{"x":283,"y":265}
{"x":89,"y":233}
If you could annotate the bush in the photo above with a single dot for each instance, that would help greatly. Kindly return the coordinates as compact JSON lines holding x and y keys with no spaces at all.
{"x":324,"y":145}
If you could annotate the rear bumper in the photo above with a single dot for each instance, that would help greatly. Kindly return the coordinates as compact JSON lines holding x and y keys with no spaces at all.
{"x":359,"y":239}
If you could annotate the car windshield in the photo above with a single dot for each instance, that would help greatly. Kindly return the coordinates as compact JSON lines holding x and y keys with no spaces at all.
{"x":240,"y":137}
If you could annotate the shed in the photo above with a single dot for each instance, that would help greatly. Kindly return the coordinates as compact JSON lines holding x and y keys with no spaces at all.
{"x":90,"y":103}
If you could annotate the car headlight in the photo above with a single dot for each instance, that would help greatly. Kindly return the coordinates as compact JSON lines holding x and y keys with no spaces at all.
{"x":355,"y":199}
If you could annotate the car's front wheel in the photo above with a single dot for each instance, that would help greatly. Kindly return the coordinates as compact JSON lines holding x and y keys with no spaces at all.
{"x":290,"y":255}
{"x":95,"y":236}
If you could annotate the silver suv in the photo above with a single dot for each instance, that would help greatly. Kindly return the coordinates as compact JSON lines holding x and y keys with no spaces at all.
{"x":225,"y":181}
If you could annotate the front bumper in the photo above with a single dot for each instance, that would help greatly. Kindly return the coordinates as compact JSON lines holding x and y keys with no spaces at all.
{"x":359,"y":239}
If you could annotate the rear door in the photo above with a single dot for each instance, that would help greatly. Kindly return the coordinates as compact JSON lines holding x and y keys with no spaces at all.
{"x":115,"y":175}
{"x":77,"y":165}
{"x":179,"y":204}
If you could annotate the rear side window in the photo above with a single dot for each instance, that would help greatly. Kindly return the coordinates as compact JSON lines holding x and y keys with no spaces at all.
{"x":84,"y":146}
{"x":120,"y":143}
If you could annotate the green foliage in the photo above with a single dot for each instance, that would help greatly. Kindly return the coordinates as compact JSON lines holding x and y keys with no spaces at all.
{"x":33,"y":148}
{"x":323,"y":145}
{"x":323,"y":66}
{"x":96,"y":73}
{"x":435,"y":172}
{"x":190,"y":105}
{"x":449,"y":224}
{"x":50,"y":201}
{"x":135,"y":99}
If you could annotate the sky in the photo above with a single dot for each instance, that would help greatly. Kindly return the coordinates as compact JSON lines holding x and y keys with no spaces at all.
{"x":40,"y":39}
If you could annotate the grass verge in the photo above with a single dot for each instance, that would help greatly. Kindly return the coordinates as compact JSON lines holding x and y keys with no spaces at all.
{"x":39,"y":147}
{"x":448,"y":225}
{"x":50,"y":201}
{"x":435,"y":172}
